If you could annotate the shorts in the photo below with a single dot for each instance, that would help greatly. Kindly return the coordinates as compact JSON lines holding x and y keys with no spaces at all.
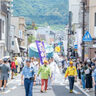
{"x":13,"y":70}
{"x":4,"y":77}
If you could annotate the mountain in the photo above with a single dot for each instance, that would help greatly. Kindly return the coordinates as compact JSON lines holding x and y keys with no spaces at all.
{"x":42,"y":11}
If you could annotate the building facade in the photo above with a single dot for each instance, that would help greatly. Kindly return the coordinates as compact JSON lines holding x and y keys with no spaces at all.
{"x":5,"y":15}
{"x":19,"y":33}
{"x":76,"y":30}
{"x":92,"y":27}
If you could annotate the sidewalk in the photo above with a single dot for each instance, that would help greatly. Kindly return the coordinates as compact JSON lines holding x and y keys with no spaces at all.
{"x":91,"y":93}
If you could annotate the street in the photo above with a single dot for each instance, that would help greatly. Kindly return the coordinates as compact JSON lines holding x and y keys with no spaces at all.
{"x":14,"y":88}
{"x":48,"y":42}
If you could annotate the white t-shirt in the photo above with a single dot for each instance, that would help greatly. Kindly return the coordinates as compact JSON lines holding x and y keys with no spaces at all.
{"x":66,"y":64}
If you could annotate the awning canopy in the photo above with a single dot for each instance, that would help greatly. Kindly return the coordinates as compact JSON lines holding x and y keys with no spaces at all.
{"x":16,"y":46}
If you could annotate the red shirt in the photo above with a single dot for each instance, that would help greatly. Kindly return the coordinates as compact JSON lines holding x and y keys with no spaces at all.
{"x":13,"y":65}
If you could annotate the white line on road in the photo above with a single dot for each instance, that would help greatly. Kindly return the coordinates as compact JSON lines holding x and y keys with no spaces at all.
{"x":82,"y":90}
{"x":6,"y":91}
{"x":76,"y":92}
{"x":19,"y":84}
{"x":13,"y":87}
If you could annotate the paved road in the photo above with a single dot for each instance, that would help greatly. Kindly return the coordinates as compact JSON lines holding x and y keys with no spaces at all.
{"x":58,"y":89}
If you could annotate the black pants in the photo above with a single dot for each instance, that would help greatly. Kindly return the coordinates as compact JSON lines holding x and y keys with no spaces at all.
{"x":71,"y":82}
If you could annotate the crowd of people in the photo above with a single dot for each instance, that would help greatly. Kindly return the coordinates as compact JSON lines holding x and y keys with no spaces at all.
{"x":36,"y":73}
{"x":86,"y":72}
{"x":8,"y":69}
{"x":33,"y":72}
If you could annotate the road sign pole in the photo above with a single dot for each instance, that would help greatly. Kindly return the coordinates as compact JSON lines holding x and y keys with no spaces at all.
{"x":83,"y":32}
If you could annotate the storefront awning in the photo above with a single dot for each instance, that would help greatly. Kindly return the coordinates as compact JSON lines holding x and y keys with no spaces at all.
{"x":16,"y":48}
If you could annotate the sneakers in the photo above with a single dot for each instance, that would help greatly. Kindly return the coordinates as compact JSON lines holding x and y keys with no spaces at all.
{"x":87,"y":91}
{"x":41,"y":91}
{"x":71,"y":91}
{"x":4,"y":89}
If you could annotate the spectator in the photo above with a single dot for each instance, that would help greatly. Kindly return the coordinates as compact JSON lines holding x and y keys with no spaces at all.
{"x":88,"y":73}
{"x":78,"y":71}
{"x":83,"y":75}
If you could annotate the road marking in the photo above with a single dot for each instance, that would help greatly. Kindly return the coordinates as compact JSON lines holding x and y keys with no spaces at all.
{"x":62,"y":84}
{"x":14,"y":88}
{"x":76,"y":92}
{"x":19,"y":84}
{"x":82,"y":90}
{"x":6,"y":91}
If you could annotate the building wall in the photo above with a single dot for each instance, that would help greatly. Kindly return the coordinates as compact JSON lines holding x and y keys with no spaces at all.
{"x":92,"y":11}
{"x":19,"y":23}
{"x":22,"y":28}
{"x":15,"y":22}
{"x":75,"y":7}
{"x":3,"y":30}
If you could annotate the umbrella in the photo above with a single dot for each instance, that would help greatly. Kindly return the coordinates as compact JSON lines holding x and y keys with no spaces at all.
{"x":33,"y":51}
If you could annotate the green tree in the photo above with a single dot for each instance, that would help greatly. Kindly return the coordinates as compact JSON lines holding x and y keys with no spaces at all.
{"x":31,"y":39}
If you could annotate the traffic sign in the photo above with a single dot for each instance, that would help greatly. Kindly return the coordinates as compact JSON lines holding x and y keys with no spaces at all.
{"x":87,"y":37}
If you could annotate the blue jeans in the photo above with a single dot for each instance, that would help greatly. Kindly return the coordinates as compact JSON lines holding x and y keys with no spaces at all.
{"x":83,"y":81}
{"x":71,"y":82}
{"x":95,"y":88}
{"x":28,"y":87}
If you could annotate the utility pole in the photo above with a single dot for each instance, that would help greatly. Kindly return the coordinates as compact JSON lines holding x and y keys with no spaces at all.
{"x":83,"y":32}
{"x":69,"y":31}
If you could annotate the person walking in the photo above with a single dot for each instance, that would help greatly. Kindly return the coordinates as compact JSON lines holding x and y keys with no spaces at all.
{"x":65,"y":64}
{"x":45,"y":73}
{"x":29,"y":76}
{"x":71,"y":73}
{"x":4,"y":73}
{"x":16,"y":64}
{"x":51,"y":66}
{"x":13,"y":68}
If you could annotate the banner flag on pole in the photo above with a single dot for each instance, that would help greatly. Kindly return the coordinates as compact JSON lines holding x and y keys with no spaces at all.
{"x":41,"y":50}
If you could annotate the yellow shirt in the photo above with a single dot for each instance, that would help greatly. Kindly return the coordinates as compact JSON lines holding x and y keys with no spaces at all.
{"x":16,"y":62}
{"x":71,"y":71}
